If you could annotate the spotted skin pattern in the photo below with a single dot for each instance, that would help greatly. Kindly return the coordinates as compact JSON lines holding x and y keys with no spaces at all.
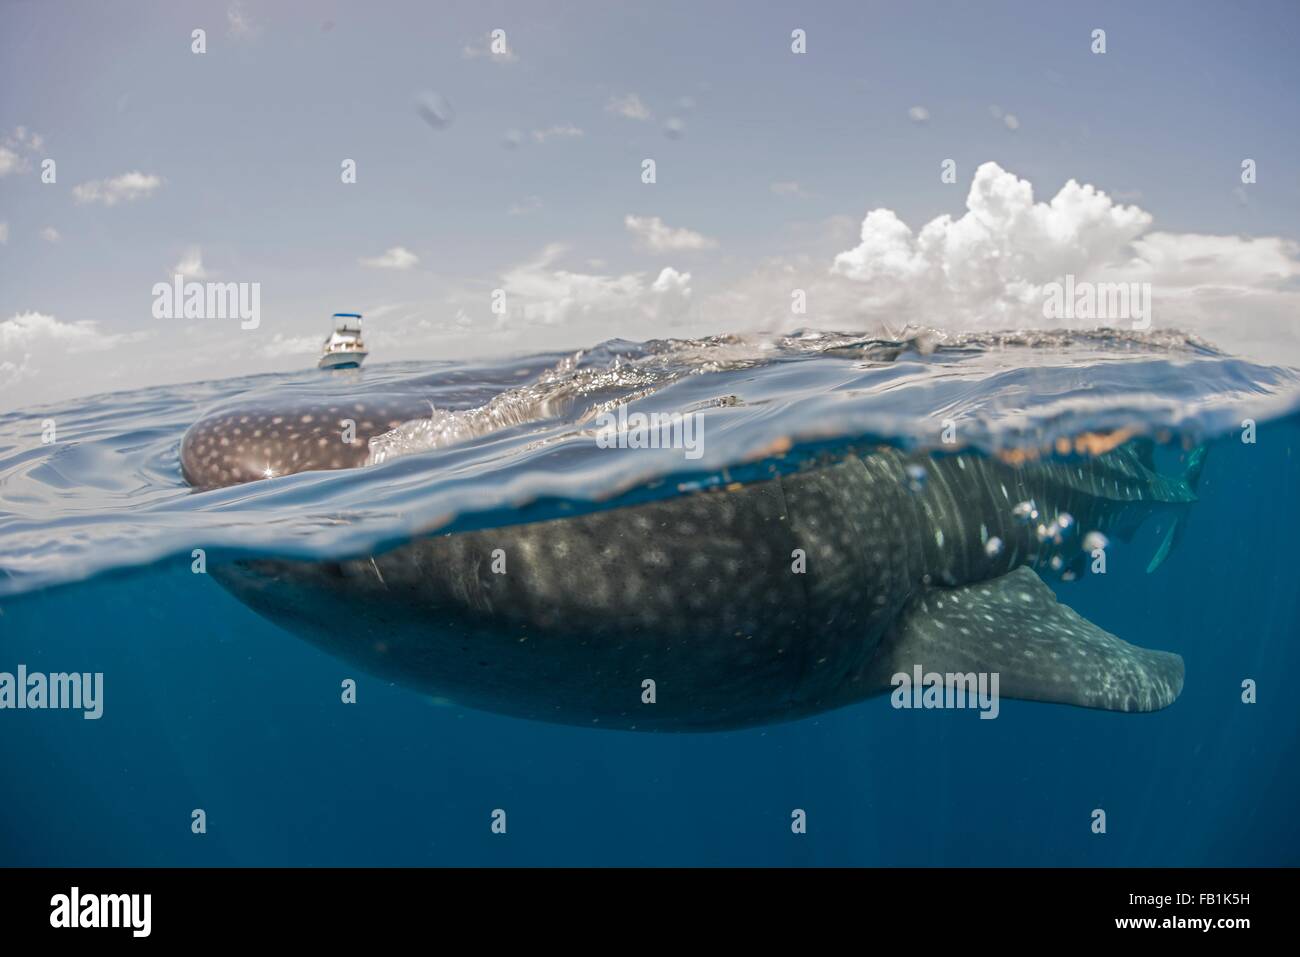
{"x":700,"y":593}
{"x":251,"y":442}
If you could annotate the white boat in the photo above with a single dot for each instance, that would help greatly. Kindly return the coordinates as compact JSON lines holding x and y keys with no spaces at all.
{"x":344,"y":348}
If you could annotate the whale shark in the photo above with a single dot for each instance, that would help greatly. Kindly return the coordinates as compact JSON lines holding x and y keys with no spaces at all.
{"x":738,"y":606}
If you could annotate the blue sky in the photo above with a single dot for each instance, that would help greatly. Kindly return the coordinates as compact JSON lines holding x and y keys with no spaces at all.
{"x":778,"y":158}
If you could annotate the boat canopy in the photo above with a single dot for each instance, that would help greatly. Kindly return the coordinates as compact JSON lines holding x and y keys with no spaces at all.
{"x":347,"y":322}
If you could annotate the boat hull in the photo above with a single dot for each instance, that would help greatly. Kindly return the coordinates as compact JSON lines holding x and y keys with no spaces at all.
{"x":342,"y":360}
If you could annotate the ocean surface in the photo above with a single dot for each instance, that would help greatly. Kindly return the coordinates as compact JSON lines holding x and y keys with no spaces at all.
{"x":208,"y":706}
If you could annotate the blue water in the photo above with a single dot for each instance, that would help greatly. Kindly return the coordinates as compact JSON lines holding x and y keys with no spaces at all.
{"x":209,"y":706}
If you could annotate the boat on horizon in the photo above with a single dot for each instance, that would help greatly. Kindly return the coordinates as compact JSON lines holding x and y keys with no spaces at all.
{"x":344,"y":348}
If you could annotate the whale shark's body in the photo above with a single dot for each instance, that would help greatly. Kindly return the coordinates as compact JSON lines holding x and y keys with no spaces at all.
{"x":759,"y":603}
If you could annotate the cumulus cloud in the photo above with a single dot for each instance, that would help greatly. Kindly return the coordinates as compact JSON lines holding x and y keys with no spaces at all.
{"x":659,"y":237}
{"x":50,"y":234}
{"x":629,"y":106}
{"x":992,"y":266}
{"x":191,"y":264}
{"x":126,"y":188}
{"x":538,"y":292}
{"x":918,"y":114}
{"x":995,"y":259}
{"x":674,"y":128}
{"x":672,"y":285}
{"x":281,"y":345}
{"x":16,"y":148}
{"x":10,"y":161}
{"x":398,"y":257}
{"x":24,"y":330}
{"x":32,"y":342}
{"x":26,"y":139}
{"x":4,"y":232}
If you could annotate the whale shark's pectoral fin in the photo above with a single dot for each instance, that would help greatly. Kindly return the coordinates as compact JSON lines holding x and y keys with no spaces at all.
{"x":1040,"y":649}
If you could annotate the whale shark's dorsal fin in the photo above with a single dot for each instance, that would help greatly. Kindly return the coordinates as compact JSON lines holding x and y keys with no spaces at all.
{"x":1040,"y":649}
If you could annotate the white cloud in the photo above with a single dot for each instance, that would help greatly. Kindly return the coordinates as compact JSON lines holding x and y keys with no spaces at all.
{"x":50,"y":234}
{"x":565,"y":130}
{"x":120,"y":189}
{"x":27,"y":329}
{"x":11,"y":162}
{"x":4,"y":232}
{"x":26,"y":138}
{"x":16,"y":149}
{"x":629,"y":106}
{"x":656,"y":235}
{"x":995,"y":258}
{"x":398,"y":257}
{"x":191,"y":264}
{"x":674,"y":128}
{"x":1195,"y":260}
{"x":919,"y":114}
{"x":282,"y":345}
{"x":672,"y":283}
{"x":538,"y":292}
{"x":990,"y":267}
{"x":32,"y":341}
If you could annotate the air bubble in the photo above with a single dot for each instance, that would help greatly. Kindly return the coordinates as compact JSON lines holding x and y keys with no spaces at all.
{"x":916,"y":477}
{"x":1025,"y":511}
{"x":1095,"y":540}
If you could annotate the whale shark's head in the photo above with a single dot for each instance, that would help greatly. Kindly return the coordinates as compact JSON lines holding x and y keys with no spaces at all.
{"x":253,"y":440}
